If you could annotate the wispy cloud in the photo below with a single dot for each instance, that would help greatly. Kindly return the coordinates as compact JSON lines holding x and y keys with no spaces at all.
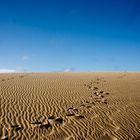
{"x":25,"y":57}
{"x":13,"y":71}
{"x":69,"y":70}
{"x":65,"y":70}
{"x":8,"y":71}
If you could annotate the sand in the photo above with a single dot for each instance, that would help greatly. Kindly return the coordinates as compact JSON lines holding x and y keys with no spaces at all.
{"x":70,"y":106}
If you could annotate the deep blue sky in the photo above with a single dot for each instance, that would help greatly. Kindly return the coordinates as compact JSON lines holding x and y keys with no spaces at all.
{"x":82,"y":35}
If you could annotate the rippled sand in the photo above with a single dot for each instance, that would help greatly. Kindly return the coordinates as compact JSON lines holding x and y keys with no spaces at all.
{"x":70,"y":106}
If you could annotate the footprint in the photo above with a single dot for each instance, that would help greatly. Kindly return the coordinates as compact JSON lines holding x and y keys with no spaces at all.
{"x":83,"y":105}
{"x":71,"y":108}
{"x":88,"y":86}
{"x":107,"y":93}
{"x":101,"y":91}
{"x":92,"y":103}
{"x":89,"y":107}
{"x":104,"y":101}
{"x":102,"y":96}
{"x":70,"y":114}
{"x":87,"y":101}
{"x":16,"y":127}
{"x":85,"y":84}
{"x":96,"y":82}
{"x":79,"y":117}
{"x":97,"y":100}
{"x":43,"y":130}
{"x":96,"y":93}
{"x":46,"y":126}
{"x":95,"y":88}
{"x":51,"y":118}
{"x":75,"y":110}
{"x":35,"y":122}
{"x":59,"y":121}
{"x":4,"y":136}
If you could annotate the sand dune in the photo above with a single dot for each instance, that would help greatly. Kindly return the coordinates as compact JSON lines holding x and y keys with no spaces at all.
{"x":70,"y":106}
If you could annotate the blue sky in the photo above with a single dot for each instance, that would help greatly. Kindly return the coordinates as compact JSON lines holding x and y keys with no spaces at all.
{"x":64,"y":35}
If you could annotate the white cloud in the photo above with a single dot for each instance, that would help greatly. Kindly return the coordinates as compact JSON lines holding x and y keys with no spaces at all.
{"x":25,"y":57}
{"x":68,"y":70}
{"x":8,"y":71}
{"x":13,"y":71}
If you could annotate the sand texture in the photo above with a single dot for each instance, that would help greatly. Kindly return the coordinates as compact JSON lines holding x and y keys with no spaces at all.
{"x":70,"y":106}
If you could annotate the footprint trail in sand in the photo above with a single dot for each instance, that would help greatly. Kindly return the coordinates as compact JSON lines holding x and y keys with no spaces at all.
{"x":69,"y":106}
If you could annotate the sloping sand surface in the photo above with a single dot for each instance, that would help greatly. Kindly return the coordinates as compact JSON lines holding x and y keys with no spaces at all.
{"x":70,"y":106}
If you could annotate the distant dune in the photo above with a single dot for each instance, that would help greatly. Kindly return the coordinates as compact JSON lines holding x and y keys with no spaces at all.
{"x":70,"y":106}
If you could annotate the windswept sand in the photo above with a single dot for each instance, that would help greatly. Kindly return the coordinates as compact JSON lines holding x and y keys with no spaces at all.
{"x":70,"y":106}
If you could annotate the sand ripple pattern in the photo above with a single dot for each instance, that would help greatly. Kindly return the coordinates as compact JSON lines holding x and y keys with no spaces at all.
{"x":70,"y":106}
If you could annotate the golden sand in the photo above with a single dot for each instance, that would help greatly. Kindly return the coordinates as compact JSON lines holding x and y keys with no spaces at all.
{"x":70,"y":106}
